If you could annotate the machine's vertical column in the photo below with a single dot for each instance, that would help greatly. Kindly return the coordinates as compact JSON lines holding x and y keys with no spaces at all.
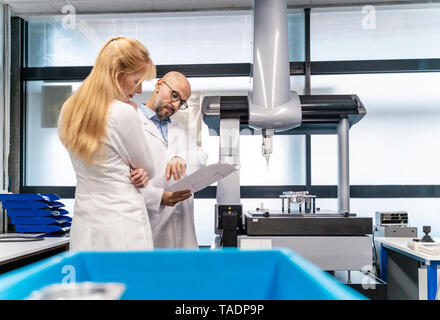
{"x":270,"y":72}
{"x":228,"y":189}
{"x":228,"y":207}
{"x":273,"y":107}
{"x":343,"y":166}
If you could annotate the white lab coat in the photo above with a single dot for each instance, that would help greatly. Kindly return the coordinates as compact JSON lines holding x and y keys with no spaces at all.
{"x":109,"y":212}
{"x":173,"y":227}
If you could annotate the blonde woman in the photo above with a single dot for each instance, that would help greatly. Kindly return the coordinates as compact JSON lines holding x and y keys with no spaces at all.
{"x":105,"y":140}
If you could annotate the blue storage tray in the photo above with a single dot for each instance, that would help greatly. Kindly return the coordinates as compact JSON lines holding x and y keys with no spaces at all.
{"x":40,"y":220}
{"x":228,"y":274}
{"x":38,"y":228}
{"x":30,"y":212}
{"x":49,"y":197}
{"x":31,"y":204}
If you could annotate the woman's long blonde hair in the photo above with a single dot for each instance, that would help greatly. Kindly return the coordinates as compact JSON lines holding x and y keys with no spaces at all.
{"x":83,"y":118}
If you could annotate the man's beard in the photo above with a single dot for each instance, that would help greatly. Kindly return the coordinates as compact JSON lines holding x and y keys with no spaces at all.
{"x":159,"y":112}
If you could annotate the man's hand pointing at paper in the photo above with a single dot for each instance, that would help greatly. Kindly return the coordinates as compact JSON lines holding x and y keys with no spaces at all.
{"x":176,"y":168}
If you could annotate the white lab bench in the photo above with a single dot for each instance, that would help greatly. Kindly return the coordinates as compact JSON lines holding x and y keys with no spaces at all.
{"x":400,"y":245}
{"x":17,"y":254}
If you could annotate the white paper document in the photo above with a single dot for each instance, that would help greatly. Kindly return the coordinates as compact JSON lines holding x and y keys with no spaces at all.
{"x":202,"y":178}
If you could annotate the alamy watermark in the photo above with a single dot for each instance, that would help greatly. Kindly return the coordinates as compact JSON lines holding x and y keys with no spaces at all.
{"x":369,"y":17}
{"x":70,"y":275}
{"x":69,"y":17}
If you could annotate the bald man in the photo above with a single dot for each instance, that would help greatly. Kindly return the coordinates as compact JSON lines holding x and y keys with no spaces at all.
{"x":171,"y":213}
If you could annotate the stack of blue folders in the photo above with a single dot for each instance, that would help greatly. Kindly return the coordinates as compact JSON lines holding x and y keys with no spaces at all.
{"x":36,"y":213}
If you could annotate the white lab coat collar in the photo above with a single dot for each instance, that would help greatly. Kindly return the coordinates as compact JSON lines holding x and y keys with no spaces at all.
{"x":150,"y":126}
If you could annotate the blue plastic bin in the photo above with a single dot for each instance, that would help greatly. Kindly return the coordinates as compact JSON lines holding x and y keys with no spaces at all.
{"x":228,"y":274}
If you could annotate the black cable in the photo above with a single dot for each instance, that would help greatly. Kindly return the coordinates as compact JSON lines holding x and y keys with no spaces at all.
{"x":375,"y":265}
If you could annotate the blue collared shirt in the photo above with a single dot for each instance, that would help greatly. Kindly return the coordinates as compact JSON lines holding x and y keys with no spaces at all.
{"x":161,"y":125}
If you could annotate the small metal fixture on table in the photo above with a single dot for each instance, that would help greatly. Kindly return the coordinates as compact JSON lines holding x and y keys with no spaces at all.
{"x":427,"y":237}
{"x":301,"y":198}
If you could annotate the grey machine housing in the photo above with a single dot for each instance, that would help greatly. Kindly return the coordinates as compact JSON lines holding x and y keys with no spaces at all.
{"x":393,"y":224}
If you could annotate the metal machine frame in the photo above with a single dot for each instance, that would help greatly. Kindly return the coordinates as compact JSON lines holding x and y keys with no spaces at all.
{"x":272,"y":108}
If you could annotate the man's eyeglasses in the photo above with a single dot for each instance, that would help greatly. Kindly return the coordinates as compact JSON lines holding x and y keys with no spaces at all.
{"x":175,"y":96}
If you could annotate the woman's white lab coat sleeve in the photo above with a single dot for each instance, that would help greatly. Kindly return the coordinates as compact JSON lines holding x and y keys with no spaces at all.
{"x":129,"y":138}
